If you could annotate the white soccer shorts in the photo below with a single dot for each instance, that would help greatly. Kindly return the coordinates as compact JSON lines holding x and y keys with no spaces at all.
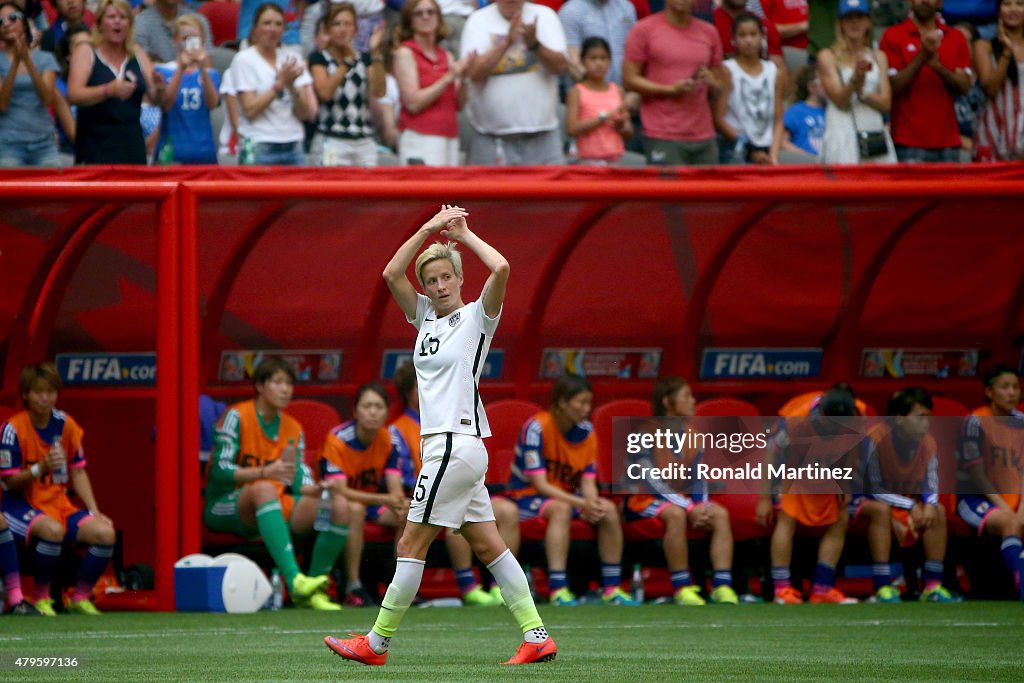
{"x":450,"y":489}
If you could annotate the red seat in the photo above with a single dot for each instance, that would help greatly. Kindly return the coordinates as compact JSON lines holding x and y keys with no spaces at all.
{"x":317,"y":419}
{"x":223,"y":18}
{"x":943,"y":406}
{"x":726,"y":407}
{"x":945,"y":430}
{"x":602,"y":420}
{"x":506,"y":418}
{"x":5,"y":413}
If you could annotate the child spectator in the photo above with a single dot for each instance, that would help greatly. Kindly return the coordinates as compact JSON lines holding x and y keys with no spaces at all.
{"x":804,"y":121}
{"x":595,"y":110}
{"x":751,"y":97}
{"x":189,"y":95}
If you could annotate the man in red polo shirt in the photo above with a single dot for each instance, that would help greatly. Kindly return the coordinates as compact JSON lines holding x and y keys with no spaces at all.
{"x":929,"y":65}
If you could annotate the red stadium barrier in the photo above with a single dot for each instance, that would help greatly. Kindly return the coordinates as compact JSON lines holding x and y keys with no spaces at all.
{"x":192,"y":262}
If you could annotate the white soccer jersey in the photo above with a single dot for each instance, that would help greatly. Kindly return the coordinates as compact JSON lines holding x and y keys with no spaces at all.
{"x":449,"y":356}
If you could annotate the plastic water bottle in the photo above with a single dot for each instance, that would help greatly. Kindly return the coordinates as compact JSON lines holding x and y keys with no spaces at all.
{"x":323,"y":512}
{"x":276,"y":591}
{"x":638,"y":584}
{"x":166,"y":153}
{"x":60,"y":475}
{"x":293,"y":454}
{"x":247,"y":157}
{"x":739,"y":152}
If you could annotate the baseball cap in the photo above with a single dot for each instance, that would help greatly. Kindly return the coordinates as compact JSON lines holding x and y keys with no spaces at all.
{"x":851,"y":6}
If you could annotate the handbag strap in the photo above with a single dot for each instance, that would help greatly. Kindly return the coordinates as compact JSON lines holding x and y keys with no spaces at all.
{"x":853,"y":110}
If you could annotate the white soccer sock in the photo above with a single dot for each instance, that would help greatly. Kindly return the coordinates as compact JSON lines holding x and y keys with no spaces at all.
{"x":510,"y":577}
{"x":400,"y":594}
{"x":516,"y":591}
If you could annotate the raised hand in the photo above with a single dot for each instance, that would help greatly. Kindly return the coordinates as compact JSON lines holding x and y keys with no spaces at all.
{"x":515,"y":28}
{"x":445,"y":216}
{"x":290,"y":70}
{"x":457,"y":227}
{"x":377,"y":38}
{"x":530,"y":33}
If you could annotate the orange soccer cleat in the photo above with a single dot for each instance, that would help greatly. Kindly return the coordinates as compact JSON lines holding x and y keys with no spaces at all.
{"x":788,"y":596}
{"x":832,"y":596}
{"x":535,"y":653}
{"x":357,"y":649}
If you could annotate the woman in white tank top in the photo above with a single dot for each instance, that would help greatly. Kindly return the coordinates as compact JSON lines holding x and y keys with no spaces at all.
{"x":856,"y":81}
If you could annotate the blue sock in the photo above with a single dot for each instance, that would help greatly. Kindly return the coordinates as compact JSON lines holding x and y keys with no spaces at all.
{"x":1011,"y":549}
{"x":47,"y":556}
{"x":721,"y":577}
{"x":9,"y":567}
{"x":932,"y":573}
{"x":824,"y":577}
{"x":611,"y":575}
{"x":781,"y":578}
{"x":557,"y":580}
{"x":681,"y":578}
{"x":881,"y":574}
{"x":466,"y":580}
{"x":93,"y":565}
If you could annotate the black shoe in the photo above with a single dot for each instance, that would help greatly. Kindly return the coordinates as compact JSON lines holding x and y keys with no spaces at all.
{"x":25,"y":609}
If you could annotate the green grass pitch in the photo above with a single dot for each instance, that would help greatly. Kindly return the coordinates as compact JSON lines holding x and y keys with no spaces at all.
{"x":970,"y":641}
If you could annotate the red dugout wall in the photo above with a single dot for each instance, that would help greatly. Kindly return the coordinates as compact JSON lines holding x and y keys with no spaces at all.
{"x":190,"y":263}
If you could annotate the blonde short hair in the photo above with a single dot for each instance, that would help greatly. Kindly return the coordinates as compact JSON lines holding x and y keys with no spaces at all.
{"x":126,"y":9}
{"x":435,"y":252}
{"x":190,"y":20}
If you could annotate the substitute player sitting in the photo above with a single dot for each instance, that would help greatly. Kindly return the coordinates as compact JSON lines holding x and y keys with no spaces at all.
{"x":260,"y":486}
{"x":795,"y":442}
{"x":897,"y":493}
{"x":451,"y":343}
{"x":360,"y":462}
{"x":991,"y":456}
{"x":44,"y":458}
{"x":673,"y":398}
{"x":554,"y":477}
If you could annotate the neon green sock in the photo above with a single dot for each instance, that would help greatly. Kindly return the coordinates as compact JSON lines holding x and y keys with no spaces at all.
{"x":524,"y":611}
{"x":277,"y":538}
{"x":516,"y":591}
{"x":408,"y":573}
{"x":327,"y":548}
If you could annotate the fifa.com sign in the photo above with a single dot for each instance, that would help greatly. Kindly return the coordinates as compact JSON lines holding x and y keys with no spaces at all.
{"x":107,"y":369}
{"x":760,"y":363}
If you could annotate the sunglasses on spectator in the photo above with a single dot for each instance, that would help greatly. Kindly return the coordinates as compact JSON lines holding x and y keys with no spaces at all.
{"x":13,"y":18}
{"x":429,"y":12}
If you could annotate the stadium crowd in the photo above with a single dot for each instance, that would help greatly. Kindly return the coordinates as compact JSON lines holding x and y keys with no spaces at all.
{"x":261,"y":486}
{"x":450,"y":82}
